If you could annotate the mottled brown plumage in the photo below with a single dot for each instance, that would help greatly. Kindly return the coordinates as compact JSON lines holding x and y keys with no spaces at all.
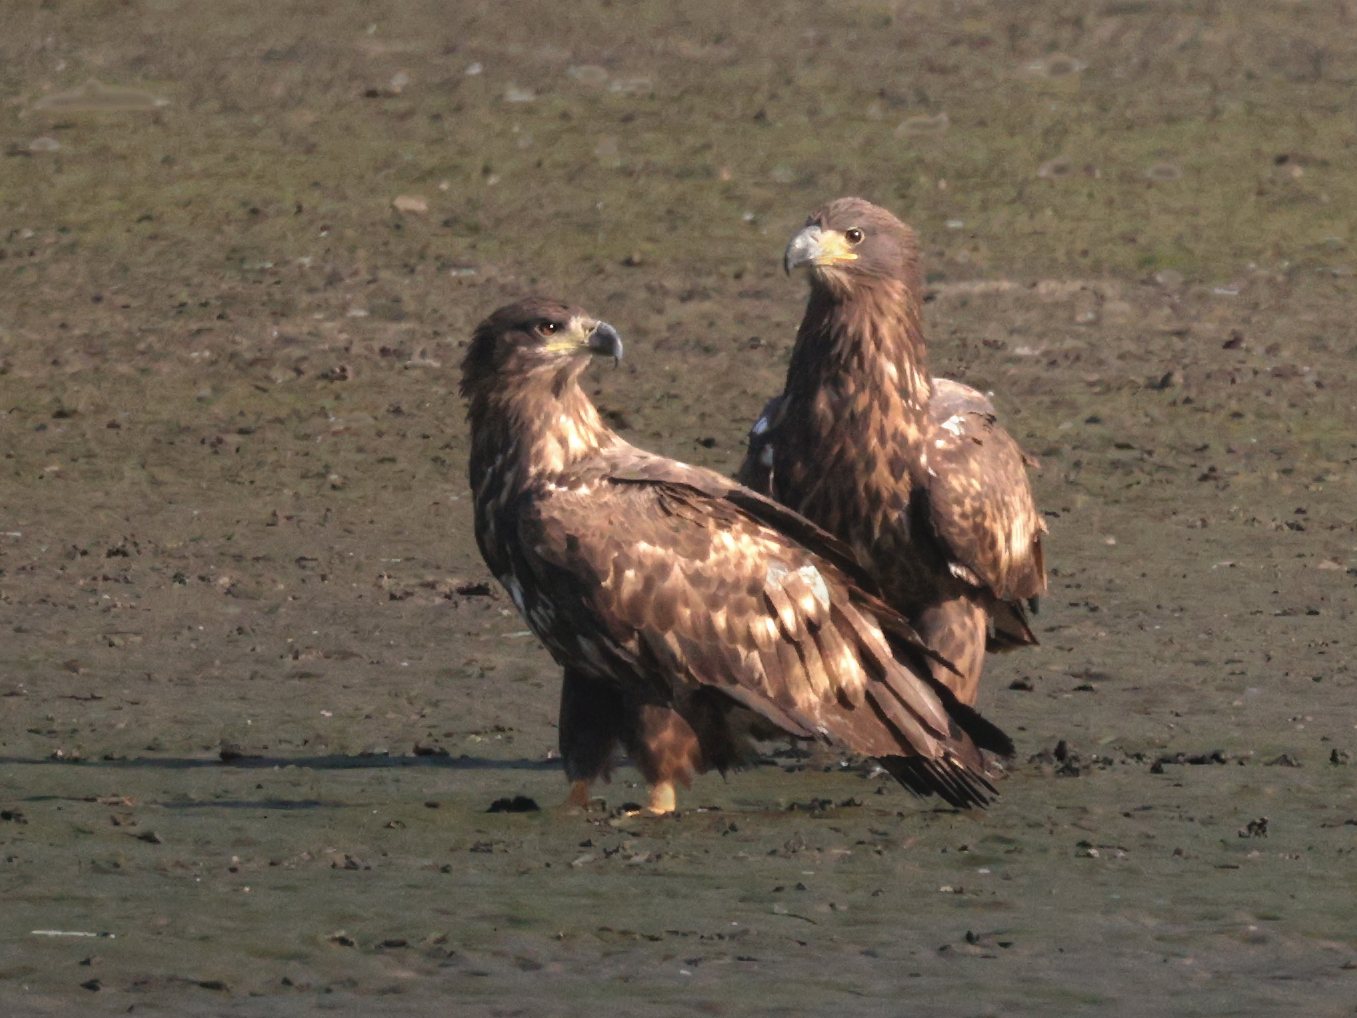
{"x":913,"y":473}
{"x":674,"y":598}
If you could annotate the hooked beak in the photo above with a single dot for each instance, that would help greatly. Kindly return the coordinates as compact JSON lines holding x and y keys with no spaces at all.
{"x":605,"y":342}
{"x":588,"y":335}
{"x":816,"y":247}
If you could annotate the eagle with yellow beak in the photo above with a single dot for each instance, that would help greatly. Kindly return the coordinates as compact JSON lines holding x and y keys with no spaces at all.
{"x":678,"y":601}
{"x":912,"y":472}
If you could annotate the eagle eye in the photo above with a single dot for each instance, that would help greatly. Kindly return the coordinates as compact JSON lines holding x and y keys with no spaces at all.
{"x":547,"y":328}
{"x":853,"y":236}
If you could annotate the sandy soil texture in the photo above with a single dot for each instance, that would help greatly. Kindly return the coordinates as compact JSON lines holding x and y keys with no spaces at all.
{"x":258,"y":692}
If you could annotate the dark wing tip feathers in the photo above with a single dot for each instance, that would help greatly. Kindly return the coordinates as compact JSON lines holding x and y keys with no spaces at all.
{"x":983,"y":732}
{"x":956,"y":784}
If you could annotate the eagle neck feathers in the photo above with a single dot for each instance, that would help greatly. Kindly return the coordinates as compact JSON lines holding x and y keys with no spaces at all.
{"x":848,"y":440}
{"x":541,"y":428}
{"x":858,"y":384}
{"x":865,"y":338}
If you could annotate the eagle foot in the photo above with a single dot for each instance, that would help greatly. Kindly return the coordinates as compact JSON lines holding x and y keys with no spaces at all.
{"x":662,"y":800}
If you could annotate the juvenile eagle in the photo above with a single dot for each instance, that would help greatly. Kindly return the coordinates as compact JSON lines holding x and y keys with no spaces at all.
{"x":674,"y":598}
{"x":913,"y":473}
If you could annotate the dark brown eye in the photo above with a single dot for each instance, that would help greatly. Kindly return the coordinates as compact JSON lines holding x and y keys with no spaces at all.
{"x":547,"y":328}
{"x":853,"y":236}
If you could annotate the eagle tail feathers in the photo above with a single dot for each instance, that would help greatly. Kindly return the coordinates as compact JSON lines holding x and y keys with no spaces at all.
{"x":1009,"y":628}
{"x":983,"y":732}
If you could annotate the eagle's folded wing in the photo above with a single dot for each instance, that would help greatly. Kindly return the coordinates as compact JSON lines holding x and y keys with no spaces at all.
{"x":632,"y":464}
{"x":689,"y":585}
{"x":757,"y":469}
{"x":980,"y":501}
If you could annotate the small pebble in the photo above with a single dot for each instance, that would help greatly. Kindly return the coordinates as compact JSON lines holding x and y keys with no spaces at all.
{"x":918,"y":126}
{"x":1058,"y":168}
{"x":1057,"y":65}
{"x":588,"y":74}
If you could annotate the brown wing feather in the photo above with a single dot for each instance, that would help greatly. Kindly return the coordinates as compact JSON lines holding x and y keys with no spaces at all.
{"x":705,"y":548}
{"x":980,"y":500}
{"x":631,"y":464}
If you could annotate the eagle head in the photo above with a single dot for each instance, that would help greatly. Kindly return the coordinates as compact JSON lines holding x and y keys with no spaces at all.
{"x":851,"y":242}
{"x":535,"y":336}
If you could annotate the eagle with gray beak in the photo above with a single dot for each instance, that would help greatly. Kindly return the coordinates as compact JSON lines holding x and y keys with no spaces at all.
{"x":913,"y":473}
{"x":679,"y":602}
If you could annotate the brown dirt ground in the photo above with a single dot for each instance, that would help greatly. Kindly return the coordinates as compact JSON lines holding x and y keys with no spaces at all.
{"x":233,"y":520}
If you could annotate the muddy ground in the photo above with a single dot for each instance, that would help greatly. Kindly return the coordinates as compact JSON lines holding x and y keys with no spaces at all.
{"x":258,"y":690}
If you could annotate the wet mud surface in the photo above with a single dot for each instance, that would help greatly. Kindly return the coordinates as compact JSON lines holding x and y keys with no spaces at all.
{"x":257,"y":691}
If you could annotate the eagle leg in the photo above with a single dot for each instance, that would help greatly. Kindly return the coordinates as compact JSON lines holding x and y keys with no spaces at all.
{"x":956,"y":629}
{"x":662,"y":799}
{"x":592,"y":720}
{"x":665,"y":749}
{"x":596,"y":716}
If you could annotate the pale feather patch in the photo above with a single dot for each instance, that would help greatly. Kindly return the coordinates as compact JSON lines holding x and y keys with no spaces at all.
{"x":963,"y":574}
{"x":764,"y":630}
{"x":541,"y":618}
{"x":816,"y":582}
{"x":766,"y":455}
{"x":625,"y":584}
{"x":760,"y":426}
{"x":781,"y":603}
{"x":1019,"y":537}
{"x":570,"y":433}
{"x":516,"y":592}
{"x":842,"y":663}
{"x":956,"y":424}
{"x":590,"y":650}
{"x":576,"y":489}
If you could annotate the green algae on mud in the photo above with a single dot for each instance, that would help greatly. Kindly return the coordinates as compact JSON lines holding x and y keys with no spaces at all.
{"x":238,"y":578}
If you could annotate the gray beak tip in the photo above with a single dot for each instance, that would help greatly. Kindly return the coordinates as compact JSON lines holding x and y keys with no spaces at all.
{"x":605,"y":342}
{"x":803,"y":248}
